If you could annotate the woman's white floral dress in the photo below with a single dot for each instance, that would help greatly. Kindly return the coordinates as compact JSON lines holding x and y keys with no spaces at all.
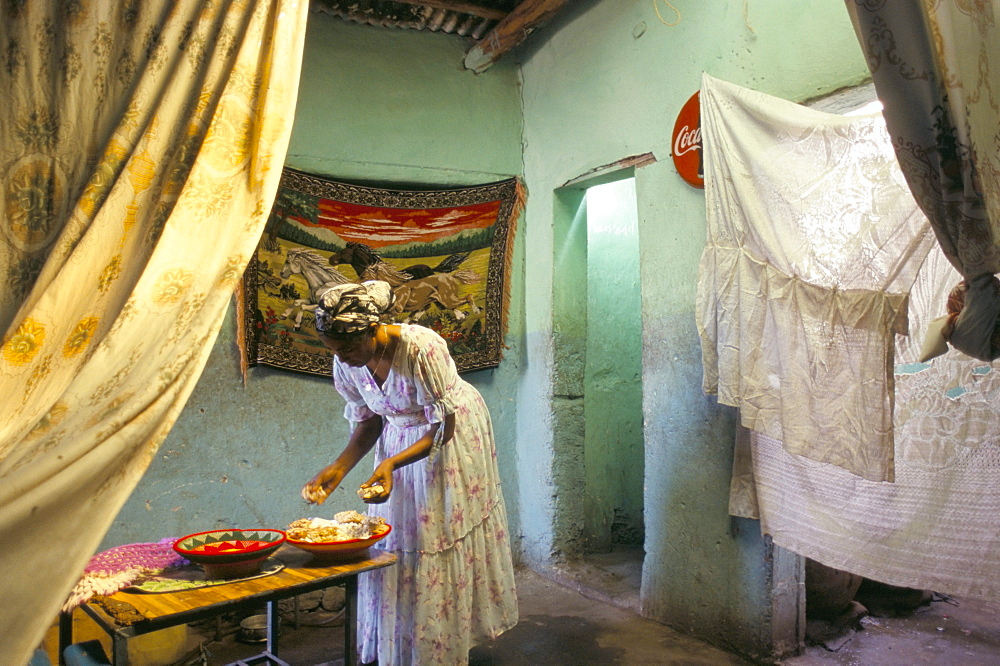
{"x":453,"y":586}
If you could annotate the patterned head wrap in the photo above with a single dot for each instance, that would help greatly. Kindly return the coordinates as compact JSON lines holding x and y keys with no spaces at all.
{"x":348,"y":308}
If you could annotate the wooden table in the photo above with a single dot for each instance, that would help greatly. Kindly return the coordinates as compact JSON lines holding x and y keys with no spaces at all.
{"x":168,"y":609}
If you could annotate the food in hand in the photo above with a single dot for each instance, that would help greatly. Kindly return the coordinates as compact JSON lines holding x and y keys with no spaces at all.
{"x":345,"y":525}
{"x":371,"y":491}
{"x":314,"y":497}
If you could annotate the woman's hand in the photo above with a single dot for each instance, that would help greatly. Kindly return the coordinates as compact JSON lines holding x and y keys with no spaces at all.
{"x":321,"y":485}
{"x":377,"y":489}
{"x":363,"y":438}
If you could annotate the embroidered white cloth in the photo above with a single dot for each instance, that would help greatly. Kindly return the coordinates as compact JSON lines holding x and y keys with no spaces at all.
{"x":938,"y":525}
{"x":813,"y":243}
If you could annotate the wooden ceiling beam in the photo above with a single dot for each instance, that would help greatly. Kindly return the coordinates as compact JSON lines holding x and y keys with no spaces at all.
{"x":460,"y":7}
{"x":510,"y":32}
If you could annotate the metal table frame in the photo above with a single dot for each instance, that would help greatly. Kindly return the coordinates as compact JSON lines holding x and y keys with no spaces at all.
{"x":340,"y":573}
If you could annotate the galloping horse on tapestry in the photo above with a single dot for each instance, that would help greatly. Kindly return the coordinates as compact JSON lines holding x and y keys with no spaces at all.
{"x":318,"y":274}
{"x":369,"y":265}
{"x":415,"y":287}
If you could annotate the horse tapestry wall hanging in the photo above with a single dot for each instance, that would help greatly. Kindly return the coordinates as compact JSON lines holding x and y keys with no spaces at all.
{"x":446,"y":254}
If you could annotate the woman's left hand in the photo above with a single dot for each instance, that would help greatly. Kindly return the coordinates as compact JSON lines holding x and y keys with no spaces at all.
{"x":377,"y":489}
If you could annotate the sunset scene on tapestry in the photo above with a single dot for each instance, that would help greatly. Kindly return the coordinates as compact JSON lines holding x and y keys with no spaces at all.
{"x":379,"y":227}
{"x":446,"y":254}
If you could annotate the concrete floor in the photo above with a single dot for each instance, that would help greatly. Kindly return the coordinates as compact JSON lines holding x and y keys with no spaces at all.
{"x":558,"y":627}
{"x":567,"y":623}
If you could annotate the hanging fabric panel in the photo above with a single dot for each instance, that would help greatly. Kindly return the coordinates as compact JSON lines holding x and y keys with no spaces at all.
{"x":140,"y":149}
{"x":936,"y":67}
{"x":938,"y":526}
{"x":813,"y":243}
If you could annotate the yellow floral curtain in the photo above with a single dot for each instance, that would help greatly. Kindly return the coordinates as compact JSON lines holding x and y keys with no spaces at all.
{"x":936,"y":67}
{"x":141,"y":145}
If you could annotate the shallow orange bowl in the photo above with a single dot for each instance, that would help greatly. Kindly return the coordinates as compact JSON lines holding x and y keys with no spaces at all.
{"x":338,"y":549}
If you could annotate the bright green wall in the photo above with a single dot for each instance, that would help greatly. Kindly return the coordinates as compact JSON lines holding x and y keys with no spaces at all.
{"x":604,"y":83}
{"x":377,"y":106}
{"x":612,"y":390}
{"x":398,"y":106}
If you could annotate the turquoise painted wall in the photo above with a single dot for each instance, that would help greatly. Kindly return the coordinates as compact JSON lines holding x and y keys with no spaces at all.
{"x":604,"y":83}
{"x":375,"y":106}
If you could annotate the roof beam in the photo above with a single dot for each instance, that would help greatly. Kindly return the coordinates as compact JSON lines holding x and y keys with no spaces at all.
{"x":460,"y":7}
{"x":510,"y":32}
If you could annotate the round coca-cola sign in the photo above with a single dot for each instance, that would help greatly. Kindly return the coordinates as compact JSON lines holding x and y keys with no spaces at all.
{"x":687,"y":149}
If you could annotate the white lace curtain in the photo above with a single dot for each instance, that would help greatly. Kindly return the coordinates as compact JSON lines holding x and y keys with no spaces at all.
{"x":140,"y":149}
{"x":820,"y":196}
{"x":936,"y":67}
{"x":813,"y":244}
{"x":937,"y":527}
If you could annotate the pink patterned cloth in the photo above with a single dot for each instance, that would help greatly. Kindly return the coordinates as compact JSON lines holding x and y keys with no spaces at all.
{"x":453,"y":585}
{"x":117,"y":568}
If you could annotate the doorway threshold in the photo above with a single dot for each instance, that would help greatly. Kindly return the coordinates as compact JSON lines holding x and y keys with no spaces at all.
{"x":614,"y":578}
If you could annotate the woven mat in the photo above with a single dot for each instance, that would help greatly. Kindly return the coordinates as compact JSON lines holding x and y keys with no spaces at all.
{"x":192,"y":577}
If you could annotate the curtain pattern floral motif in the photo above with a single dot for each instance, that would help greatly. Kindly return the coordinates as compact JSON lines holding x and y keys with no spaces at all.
{"x":935,"y":65}
{"x":140,"y":147}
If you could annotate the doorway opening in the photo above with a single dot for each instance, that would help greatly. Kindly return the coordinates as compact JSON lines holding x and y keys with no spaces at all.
{"x":598,"y":324}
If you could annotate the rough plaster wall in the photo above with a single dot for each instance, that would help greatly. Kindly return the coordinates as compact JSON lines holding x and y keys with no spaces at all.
{"x":562,"y":531}
{"x":606,"y":83}
{"x":375,"y":106}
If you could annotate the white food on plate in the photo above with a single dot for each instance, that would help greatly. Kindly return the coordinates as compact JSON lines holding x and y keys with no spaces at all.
{"x":345,"y":526}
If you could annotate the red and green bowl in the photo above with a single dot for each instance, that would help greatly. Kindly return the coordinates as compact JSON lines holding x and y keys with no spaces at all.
{"x":230,"y":553}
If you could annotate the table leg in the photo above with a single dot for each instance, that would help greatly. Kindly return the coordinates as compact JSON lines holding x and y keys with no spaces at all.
{"x":65,"y":634}
{"x":272,"y":628}
{"x":119,"y":649}
{"x":351,"y":621}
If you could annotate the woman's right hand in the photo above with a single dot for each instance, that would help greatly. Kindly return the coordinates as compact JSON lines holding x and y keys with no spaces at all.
{"x":363,"y":438}
{"x":320,"y":486}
